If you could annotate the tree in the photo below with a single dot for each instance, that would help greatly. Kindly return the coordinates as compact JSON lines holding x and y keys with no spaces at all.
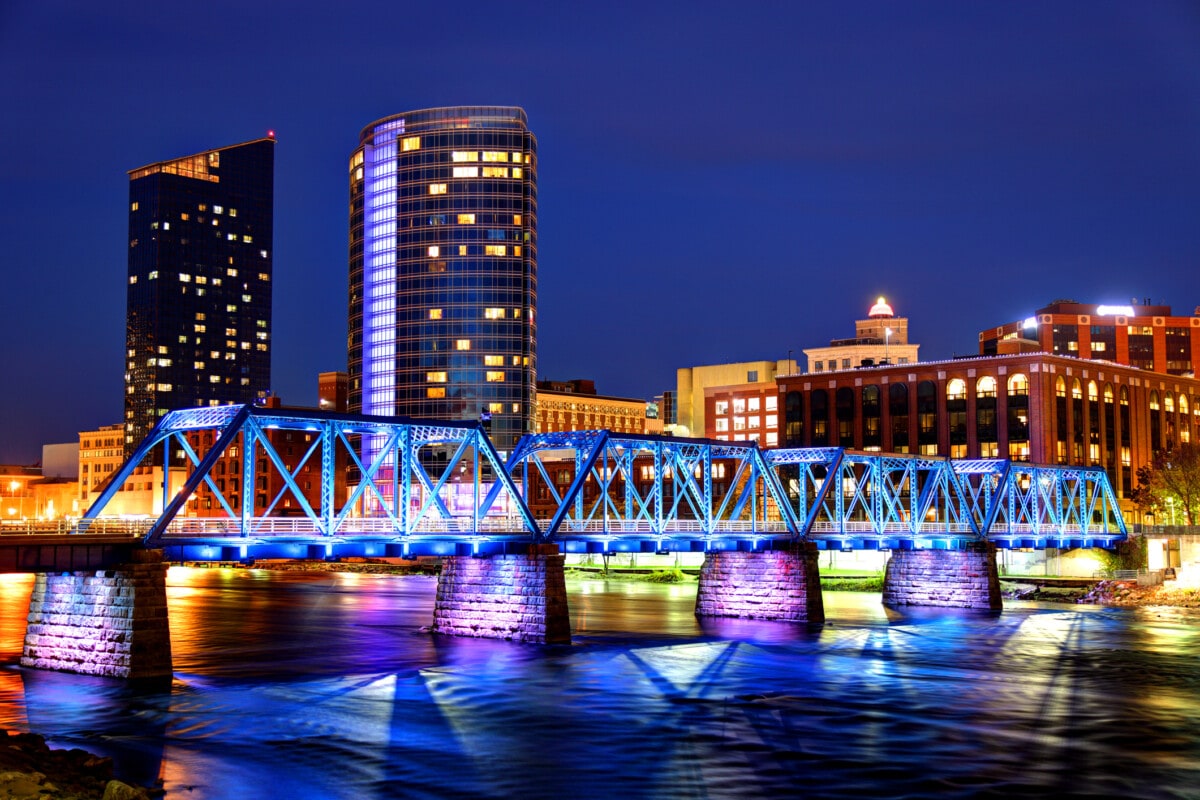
{"x":1170,"y":484}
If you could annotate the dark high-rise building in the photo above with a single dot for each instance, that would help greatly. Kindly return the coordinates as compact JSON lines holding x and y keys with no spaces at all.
{"x":198,"y":309}
{"x":443,"y":268}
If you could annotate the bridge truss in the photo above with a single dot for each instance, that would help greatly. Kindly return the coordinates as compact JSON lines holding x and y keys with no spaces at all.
{"x":440,"y":488}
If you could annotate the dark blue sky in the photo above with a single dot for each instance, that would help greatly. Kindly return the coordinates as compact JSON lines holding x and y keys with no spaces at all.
{"x":717,"y":181}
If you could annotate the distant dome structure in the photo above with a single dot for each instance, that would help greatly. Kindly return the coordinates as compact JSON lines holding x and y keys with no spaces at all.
{"x":880,"y":309}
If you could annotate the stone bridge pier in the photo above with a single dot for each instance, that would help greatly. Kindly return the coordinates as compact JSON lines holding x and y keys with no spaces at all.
{"x":781,"y":585}
{"x":108,"y":622}
{"x":522,"y":597}
{"x":963,"y":578}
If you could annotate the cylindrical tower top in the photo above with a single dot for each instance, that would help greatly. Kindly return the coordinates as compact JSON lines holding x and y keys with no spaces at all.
{"x":880,"y":309}
{"x":448,"y":117}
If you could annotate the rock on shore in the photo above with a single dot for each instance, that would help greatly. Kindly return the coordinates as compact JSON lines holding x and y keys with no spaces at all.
{"x":1128,"y":593}
{"x":30,"y":769}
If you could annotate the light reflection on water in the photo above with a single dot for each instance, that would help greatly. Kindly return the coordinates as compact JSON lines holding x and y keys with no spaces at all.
{"x":315,"y":685}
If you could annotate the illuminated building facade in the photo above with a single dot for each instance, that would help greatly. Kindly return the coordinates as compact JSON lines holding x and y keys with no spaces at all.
{"x":1143,"y":336}
{"x":692,"y":382}
{"x":747,"y":412}
{"x":198,"y":307}
{"x":101,"y":453}
{"x":443,"y":268}
{"x":881,"y":338}
{"x":575,"y":406}
{"x":333,"y":391}
{"x":1036,"y":407}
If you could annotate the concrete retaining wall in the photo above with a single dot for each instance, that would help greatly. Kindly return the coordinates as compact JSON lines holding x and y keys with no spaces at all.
{"x":110,"y":622}
{"x":965,"y":578}
{"x":517,"y":597}
{"x":774,"y":585}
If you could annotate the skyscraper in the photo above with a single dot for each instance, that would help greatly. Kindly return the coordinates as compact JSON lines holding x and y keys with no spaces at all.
{"x":443,"y":268}
{"x":198,"y":308}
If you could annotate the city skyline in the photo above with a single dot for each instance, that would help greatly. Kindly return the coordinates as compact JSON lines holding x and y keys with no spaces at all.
{"x":716,"y":186}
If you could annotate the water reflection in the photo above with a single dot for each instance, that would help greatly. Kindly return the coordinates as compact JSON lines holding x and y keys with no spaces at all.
{"x":323,"y":685}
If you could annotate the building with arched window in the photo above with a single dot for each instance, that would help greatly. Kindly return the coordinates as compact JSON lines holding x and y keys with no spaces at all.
{"x":1034,"y":407}
{"x":443,"y":268}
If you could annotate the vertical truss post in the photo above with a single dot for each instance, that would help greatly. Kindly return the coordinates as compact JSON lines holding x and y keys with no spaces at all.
{"x":249,"y":442}
{"x":658,"y":487}
{"x":402,"y":464}
{"x":328,"y":445}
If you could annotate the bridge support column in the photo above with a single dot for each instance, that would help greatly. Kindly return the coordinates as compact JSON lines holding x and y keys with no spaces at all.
{"x":966,"y":578}
{"x":517,"y":597}
{"x":109,"y":622}
{"x":774,"y":585}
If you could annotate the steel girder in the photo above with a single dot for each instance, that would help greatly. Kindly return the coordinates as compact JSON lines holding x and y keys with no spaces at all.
{"x":1037,"y":503}
{"x":406,"y":493}
{"x":659,"y":487}
{"x":842,"y":495}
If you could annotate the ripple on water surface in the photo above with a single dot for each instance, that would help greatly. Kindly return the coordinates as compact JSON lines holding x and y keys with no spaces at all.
{"x":322,"y":685}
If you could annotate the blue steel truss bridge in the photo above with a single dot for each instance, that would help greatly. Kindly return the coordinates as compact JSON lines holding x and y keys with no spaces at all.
{"x":347,"y":485}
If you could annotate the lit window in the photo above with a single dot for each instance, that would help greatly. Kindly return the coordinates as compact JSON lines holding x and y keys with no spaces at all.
{"x":493,"y":361}
{"x":262,"y":276}
{"x":435,"y":377}
{"x":435,"y":392}
{"x":133,"y":206}
{"x":232,"y":237}
{"x":153,"y":274}
{"x":218,"y":209}
{"x":496,"y":408}
{"x":197,"y":365}
{"x":516,"y":249}
{"x":435,"y":313}
{"x":494,"y":249}
{"x":516,"y":407}
{"x":232,"y":309}
{"x":466,"y":219}
{"x":410,"y":143}
{"x":214,"y":378}
{"x":516,"y":172}
{"x":462,"y":249}
{"x":133,"y":278}
{"x":434,"y":251}
{"x":437,"y":188}
{"x":262,"y":253}
{"x":772,"y":402}
{"x":185,"y":278}
{"x":516,"y":361}
{"x":516,"y":219}
{"x":493,"y":313}
{"x":722,"y":424}
{"x":247,"y":238}
{"x":495,"y":172}
{"x":466,"y":172}
{"x":495,"y":377}
{"x":460,"y":155}
{"x":462,"y":344}
{"x":233,"y":212}
{"x":231,"y":272}
{"x":491,"y":155}
{"x":516,"y":157}
{"x":752,"y":404}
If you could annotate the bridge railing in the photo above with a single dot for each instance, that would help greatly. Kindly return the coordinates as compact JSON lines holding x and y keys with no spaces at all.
{"x":678,"y":527}
{"x":199,"y":527}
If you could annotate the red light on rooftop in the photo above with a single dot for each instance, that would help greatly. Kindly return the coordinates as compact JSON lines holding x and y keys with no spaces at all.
{"x":271,"y":134}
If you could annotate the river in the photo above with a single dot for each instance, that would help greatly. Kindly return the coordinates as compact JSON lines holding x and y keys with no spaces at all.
{"x":322,"y":685}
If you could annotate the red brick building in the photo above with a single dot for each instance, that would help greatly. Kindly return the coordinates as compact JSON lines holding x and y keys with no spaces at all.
{"x":1144,"y":336}
{"x":1033,"y":407}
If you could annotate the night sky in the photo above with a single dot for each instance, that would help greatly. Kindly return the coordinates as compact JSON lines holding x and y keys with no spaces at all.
{"x":717,"y":181}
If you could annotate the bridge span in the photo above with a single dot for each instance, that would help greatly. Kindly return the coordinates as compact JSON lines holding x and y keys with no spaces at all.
{"x":503,"y":526}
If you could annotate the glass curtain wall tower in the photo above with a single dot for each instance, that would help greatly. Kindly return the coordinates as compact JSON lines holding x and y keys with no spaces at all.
{"x":198,"y":302}
{"x":443,"y":268}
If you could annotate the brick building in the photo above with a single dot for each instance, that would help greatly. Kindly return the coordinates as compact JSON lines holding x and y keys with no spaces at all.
{"x":1145,"y":336}
{"x":575,"y":406}
{"x":1035,"y":407}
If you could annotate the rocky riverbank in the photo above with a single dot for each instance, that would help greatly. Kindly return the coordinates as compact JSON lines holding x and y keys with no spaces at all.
{"x":30,"y":769}
{"x":1128,"y":593}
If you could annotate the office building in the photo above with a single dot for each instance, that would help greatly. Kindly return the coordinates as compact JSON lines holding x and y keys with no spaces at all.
{"x":1141,"y":335}
{"x":575,"y":406}
{"x":881,"y":338}
{"x":198,"y":308}
{"x":1035,"y":407}
{"x":691,"y":383}
{"x":443,"y":268}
